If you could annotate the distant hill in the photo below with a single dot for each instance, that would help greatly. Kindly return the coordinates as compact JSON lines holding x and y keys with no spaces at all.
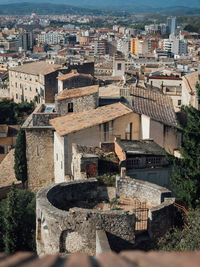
{"x":117,"y":3}
{"x":86,"y":7}
{"x":43,"y":9}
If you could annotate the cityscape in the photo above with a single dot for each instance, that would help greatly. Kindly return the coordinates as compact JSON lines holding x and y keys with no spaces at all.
{"x":100,"y":133}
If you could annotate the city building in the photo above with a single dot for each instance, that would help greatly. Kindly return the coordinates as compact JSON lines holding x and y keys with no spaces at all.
{"x":34,"y":82}
{"x":172,"y":25}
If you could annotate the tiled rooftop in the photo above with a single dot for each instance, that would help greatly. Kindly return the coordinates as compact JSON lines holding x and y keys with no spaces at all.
{"x":110,"y":259}
{"x":73,"y":74}
{"x":36,"y":68}
{"x":78,"y":92}
{"x":155,"y":105}
{"x":75,"y":122}
{"x":190,"y":81}
{"x":163,"y":77}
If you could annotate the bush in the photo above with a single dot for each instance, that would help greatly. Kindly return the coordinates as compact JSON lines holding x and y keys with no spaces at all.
{"x":186,"y":238}
{"x":107,"y":179}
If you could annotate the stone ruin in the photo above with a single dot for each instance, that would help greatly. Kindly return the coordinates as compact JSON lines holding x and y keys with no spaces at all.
{"x":69,"y":215}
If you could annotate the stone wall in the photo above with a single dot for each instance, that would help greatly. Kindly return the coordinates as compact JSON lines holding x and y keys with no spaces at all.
{"x":83,"y":164}
{"x":42,"y":119}
{"x":144,"y":191}
{"x":77,"y":82}
{"x":39,"y":154}
{"x":80,"y":104}
{"x":161,"y":218}
{"x":161,"y":214}
{"x":71,"y":230}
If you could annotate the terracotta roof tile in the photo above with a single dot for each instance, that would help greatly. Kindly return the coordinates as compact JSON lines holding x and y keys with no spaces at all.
{"x":163,"y":77}
{"x":190,"y":81}
{"x":36,"y":68}
{"x":124,"y":259}
{"x":155,"y":105}
{"x":78,"y":92}
{"x":79,"y":121}
{"x":74,"y":74}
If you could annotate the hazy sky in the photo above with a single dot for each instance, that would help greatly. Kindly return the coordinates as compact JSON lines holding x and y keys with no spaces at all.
{"x":152,"y":3}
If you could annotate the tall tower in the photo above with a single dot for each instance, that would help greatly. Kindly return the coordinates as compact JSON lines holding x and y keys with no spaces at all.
{"x":172,"y":25}
{"x":118,"y":65}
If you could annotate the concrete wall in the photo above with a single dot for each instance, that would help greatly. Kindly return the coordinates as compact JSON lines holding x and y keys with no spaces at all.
{"x":159,"y":176}
{"x":164,"y":135}
{"x":159,"y":82}
{"x":74,"y":230}
{"x":39,"y":154}
{"x":59,"y":159}
{"x":102,"y":244}
{"x":161,"y":218}
{"x":185,"y":95}
{"x":145,"y":126}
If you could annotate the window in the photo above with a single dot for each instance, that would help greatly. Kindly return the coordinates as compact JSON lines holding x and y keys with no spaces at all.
{"x":179,"y":102}
{"x":30,"y":88}
{"x":2,"y":150}
{"x":15,"y":84}
{"x":119,"y":66}
{"x":128,"y":132}
{"x":153,"y":161}
{"x":131,"y":163}
{"x":106,"y":130}
{"x":70,"y":107}
{"x":16,"y":96}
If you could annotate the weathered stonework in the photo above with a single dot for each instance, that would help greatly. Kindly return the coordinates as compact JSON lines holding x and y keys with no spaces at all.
{"x":39,"y":154}
{"x":162,"y":211}
{"x":144,"y":191}
{"x":80,"y":104}
{"x":61,"y":229}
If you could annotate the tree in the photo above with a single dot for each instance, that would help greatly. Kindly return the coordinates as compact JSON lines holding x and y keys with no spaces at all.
{"x":20,"y":157}
{"x":18,"y":221}
{"x":186,"y":170}
{"x":11,"y":222}
{"x":13,"y":113}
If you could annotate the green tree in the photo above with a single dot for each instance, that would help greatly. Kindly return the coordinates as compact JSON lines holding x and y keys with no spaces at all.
{"x":20,"y":157}
{"x":186,"y":170}
{"x":10,"y":222}
{"x":7,"y":111}
{"x":18,"y":221}
{"x":13,"y":113}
